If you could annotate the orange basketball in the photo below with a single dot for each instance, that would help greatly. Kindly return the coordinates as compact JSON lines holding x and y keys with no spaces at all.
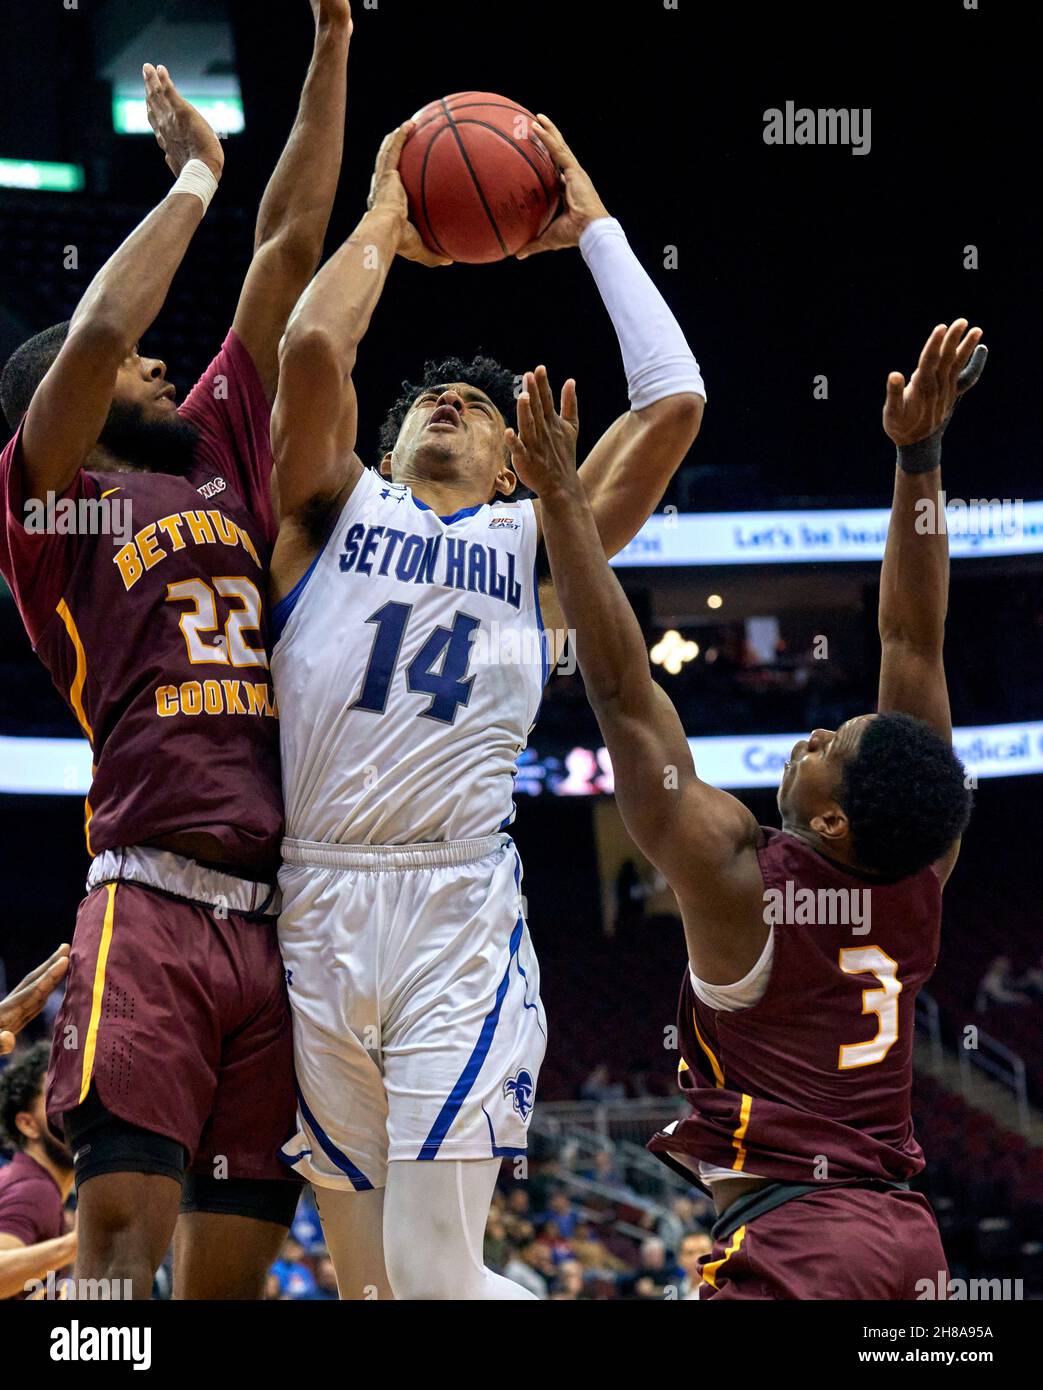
{"x":480,"y":184}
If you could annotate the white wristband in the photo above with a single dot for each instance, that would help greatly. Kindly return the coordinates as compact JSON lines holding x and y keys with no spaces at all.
{"x":196,"y":178}
{"x":656,"y":357}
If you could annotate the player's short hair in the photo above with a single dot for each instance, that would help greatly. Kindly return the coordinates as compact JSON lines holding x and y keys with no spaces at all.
{"x":485,"y":373}
{"x":20,"y":1084}
{"x":905,"y":796}
{"x":26,"y":368}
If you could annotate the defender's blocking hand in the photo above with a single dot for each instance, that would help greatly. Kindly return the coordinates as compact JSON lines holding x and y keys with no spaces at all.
{"x":181,"y":132}
{"x":951,"y":362}
{"x":543,"y":448}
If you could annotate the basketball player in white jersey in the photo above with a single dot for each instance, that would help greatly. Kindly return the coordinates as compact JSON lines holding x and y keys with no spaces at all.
{"x":409,"y":665}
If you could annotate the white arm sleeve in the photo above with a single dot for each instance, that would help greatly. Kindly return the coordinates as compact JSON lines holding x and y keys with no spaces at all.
{"x":656,"y":357}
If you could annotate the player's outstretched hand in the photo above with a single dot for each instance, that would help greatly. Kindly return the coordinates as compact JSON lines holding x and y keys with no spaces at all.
{"x":951,"y":362}
{"x":27,"y":999}
{"x":181,"y":132}
{"x":543,"y":447}
{"x":386,"y":190}
{"x":582,"y":204}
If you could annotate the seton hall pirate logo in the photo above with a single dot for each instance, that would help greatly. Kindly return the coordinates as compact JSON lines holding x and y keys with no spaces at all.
{"x":520,"y":1088}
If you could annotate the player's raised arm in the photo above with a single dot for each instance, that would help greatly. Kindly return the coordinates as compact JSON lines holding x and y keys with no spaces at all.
{"x":70,"y":406}
{"x":314,"y":421}
{"x":627,"y":471}
{"x":914,"y":581}
{"x":295,"y":210}
{"x":703,"y":840}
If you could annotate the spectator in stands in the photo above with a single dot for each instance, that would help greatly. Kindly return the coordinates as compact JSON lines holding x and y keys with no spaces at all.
{"x":497,"y":1248}
{"x":294,"y":1277}
{"x":694,"y":1245}
{"x":597,"y":1086}
{"x":998,"y":986}
{"x":35,"y":1185}
{"x":656,"y":1271}
{"x":530,"y":1266}
{"x":562,"y":1213}
{"x":570,"y":1285}
{"x":593,"y":1254}
{"x":605,"y":1171}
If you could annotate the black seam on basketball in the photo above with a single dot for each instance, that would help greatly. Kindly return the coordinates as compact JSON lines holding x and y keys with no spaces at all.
{"x":423,"y":192}
{"x":474,"y":177}
{"x":469,"y":105}
{"x":471,"y":120}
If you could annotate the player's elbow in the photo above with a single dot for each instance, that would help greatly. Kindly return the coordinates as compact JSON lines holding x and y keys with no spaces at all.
{"x":308,"y":348}
{"x":100,"y":335}
{"x":678,"y":418}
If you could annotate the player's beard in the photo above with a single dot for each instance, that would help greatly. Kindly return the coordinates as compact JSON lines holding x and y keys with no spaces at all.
{"x":152,"y":445}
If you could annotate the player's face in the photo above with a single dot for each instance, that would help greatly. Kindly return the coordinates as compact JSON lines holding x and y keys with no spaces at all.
{"x":143,"y":428}
{"x":812,"y":777}
{"x":453,"y":433}
{"x":142,"y":386}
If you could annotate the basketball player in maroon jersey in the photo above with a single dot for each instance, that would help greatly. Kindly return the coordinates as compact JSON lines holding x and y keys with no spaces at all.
{"x":796,"y":1032}
{"x":171,"y":1069}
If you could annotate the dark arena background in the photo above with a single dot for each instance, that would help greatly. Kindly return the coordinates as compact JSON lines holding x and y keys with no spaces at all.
{"x":801,"y":275}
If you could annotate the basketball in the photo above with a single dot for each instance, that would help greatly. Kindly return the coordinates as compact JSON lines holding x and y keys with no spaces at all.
{"x":480,"y":184}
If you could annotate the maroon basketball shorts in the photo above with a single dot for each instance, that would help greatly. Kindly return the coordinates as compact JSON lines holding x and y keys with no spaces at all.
{"x":175,"y":1013}
{"x":866,"y":1242}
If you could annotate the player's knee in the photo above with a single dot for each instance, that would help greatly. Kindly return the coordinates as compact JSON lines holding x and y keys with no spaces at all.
{"x":419,"y":1271}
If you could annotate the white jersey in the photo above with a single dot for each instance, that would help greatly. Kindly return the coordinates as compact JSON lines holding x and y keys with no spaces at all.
{"x":408,"y":667}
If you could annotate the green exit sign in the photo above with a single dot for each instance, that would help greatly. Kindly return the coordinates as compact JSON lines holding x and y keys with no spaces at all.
{"x":40,"y":174}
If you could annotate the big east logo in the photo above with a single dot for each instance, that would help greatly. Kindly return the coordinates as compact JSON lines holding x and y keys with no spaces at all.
{"x":503,"y":523}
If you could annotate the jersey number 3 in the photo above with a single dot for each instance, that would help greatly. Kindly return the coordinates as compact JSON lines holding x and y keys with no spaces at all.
{"x":449,"y":686}
{"x":870,"y":960}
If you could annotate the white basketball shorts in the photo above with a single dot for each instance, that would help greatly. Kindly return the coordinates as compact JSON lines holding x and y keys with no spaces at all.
{"x":417,"y":1022}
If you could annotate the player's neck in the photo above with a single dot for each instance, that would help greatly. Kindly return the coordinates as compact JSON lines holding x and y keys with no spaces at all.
{"x":102,"y":460}
{"x":63,"y":1177}
{"x":445,"y":498}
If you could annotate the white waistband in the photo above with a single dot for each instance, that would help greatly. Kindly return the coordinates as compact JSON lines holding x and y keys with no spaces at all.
{"x":184,"y":878}
{"x":375,"y":858}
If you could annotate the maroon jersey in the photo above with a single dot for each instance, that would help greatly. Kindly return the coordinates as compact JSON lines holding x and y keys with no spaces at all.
{"x":157,"y":638}
{"x":813,"y":1082}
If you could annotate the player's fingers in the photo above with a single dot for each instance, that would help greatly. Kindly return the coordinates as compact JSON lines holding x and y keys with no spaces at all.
{"x":895,"y":391}
{"x":515,"y":445}
{"x":532,"y":388}
{"x":6,"y":1043}
{"x":61,"y":954}
{"x":394,"y":143}
{"x":546,"y":395}
{"x":973,"y":369}
{"x":569,"y":411}
{"x":526,"y":424}
{"x":552,"y":137}
{"x":928,"y":364}
{"x":970,"y":341}
{"x":950,"y":343}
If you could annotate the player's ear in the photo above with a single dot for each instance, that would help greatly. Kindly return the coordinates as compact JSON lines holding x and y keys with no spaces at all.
{"x":506,"y":480}
{"x":831,"y":824}
{"x":385,"y":466}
